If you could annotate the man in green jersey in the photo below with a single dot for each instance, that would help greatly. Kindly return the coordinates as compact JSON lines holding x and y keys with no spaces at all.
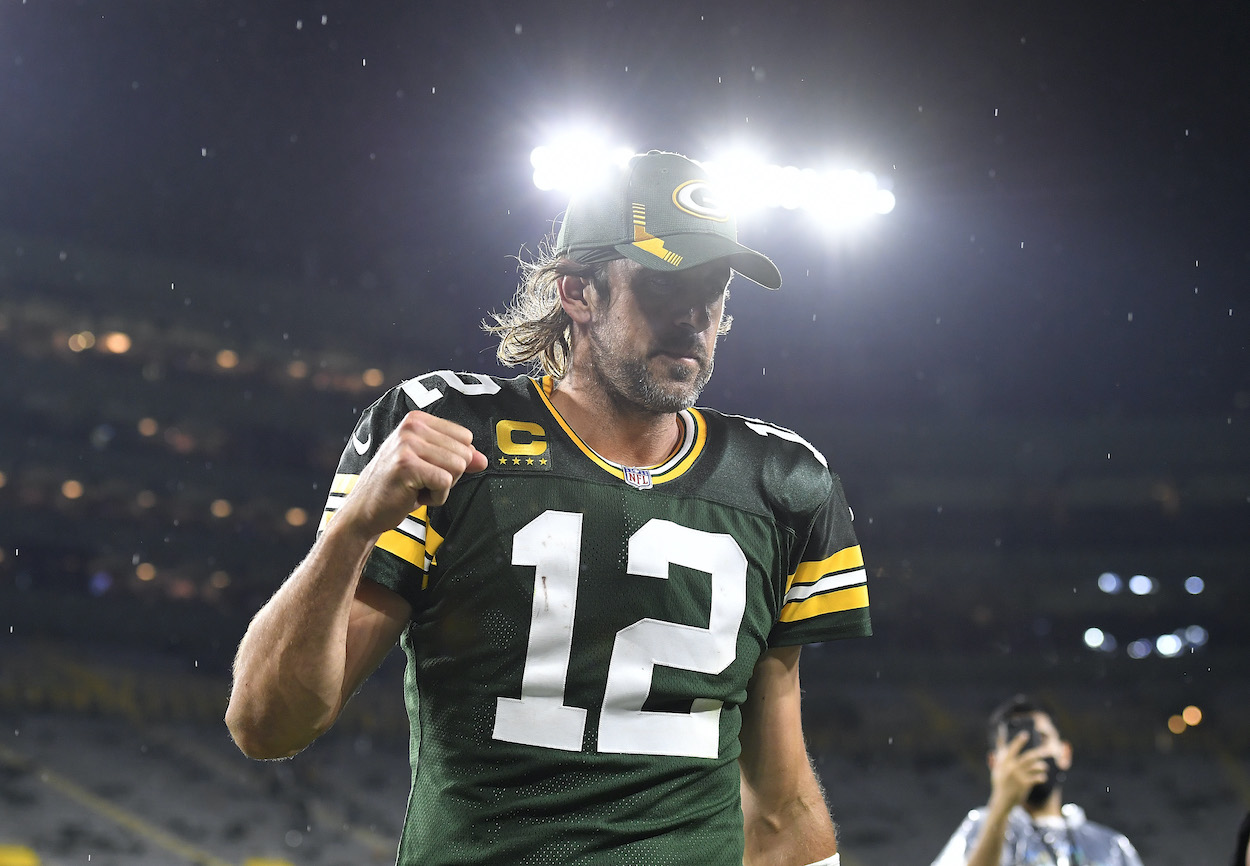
{"x":601,"y":590}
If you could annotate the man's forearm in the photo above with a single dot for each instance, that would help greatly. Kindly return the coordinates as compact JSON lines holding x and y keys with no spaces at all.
{"x":289,"y":673}
{"x":797,"y":833}
{"x":989,"y":848}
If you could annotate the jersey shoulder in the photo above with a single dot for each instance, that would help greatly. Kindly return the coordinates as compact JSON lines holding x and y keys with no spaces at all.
{"x":469,"y":399}
{"x":788,"y":471}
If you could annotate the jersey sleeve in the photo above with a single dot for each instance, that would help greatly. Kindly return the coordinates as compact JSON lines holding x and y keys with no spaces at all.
{"x":826,"y":596}
{"x":401,"y":558}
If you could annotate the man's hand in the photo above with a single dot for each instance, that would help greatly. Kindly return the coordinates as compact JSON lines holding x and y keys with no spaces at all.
{"x":1016,"y":770}
{"x":418,"y":464}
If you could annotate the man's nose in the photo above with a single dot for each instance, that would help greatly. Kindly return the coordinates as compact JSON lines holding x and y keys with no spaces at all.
{"x":695,"y":319}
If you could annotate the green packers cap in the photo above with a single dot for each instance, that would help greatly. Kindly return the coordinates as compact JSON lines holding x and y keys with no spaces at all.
{"x":662,"y":212}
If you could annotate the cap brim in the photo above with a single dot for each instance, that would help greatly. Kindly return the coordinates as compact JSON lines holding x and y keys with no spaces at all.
{"x":694,"y":249}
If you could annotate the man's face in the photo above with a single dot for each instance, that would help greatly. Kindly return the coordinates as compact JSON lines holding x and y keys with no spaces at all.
{"x":652,"y":346}
{"x":1050,"y":744}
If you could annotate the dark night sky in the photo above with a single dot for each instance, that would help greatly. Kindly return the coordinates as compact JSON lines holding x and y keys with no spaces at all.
{"x":1066,"y":175}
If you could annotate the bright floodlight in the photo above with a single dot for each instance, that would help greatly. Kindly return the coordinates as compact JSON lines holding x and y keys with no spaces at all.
{"x":836,"y":197}
{"x":1139,"y":649}
{"x":1110,"y":583}
{"x":577,"y":162}
{"x":1097,"y":639}
{"x":1194,"y":585}
{"x":1168,"y":645}
{"x":1140,"y":584}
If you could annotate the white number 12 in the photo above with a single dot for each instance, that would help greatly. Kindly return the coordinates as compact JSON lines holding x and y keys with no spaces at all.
{"x":551,"y":543}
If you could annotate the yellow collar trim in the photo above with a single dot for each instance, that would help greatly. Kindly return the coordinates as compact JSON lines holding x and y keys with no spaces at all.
{"x":690,"y":446}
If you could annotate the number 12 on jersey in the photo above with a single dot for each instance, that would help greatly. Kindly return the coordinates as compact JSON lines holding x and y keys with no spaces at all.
{"x":551,"y":544}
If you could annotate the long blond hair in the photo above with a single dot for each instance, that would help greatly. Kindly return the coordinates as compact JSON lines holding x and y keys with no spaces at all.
{"x":533,"y":328}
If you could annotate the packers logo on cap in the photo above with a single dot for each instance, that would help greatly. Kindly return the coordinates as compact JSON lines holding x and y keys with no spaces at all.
{"x":700,"y":199}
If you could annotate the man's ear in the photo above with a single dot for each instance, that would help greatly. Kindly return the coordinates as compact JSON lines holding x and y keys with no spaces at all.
{"x":573,"y":297}
{"x":1064,"y":761}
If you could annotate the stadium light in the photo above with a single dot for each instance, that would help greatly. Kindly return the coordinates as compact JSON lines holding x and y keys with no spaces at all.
{"x":1097,"y":639}
{"x":835,"y":197}
{"x":1168,"y":645}
{"x":1110,"y":582}
{"x":579,"y":161}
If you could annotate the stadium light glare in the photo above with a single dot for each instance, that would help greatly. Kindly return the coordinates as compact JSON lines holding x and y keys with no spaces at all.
{"x":1140,"y":648}
{"x":1110,"y":582}
{"x":580,"y":161}
{"x":1168,"y":645}
{"x":836,"y":198}
{"x":1140,"y":584}
{"x":1097,"y":639}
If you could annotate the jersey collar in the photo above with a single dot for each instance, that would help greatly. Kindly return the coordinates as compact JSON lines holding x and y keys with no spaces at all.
{"x":689,"y":447}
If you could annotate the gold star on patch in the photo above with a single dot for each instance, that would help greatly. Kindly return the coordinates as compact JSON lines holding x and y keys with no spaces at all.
{"x":542,"y":462}
{"x":503,"y":461}
{"x":516,"y":461}
{"x":529,"y":461}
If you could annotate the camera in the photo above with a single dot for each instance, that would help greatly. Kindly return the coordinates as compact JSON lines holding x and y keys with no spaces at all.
{"x":1016,"y":724}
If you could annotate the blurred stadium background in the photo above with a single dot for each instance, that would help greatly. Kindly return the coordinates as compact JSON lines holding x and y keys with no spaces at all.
{"x":160,"y":473}
{"x":226,"y":227}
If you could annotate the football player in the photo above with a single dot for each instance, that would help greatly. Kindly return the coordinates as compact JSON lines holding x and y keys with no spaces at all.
{"x":601,"y":590}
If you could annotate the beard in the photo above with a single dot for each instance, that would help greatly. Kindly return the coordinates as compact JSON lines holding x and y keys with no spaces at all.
{"x":651,"y":382}
{"x":1040,"y":792}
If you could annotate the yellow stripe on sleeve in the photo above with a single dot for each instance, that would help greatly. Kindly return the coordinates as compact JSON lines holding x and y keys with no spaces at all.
{"x":407,"y":549}
{"x":405,"y":546}
{"x":343,"y":484}
{"x":843,"y":560}
{"x":830,"y":602}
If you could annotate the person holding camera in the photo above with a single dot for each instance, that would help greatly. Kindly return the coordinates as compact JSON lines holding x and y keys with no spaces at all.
{"x":1026,"y":822}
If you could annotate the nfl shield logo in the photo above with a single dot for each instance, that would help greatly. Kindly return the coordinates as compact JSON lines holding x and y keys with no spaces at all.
{"x":640,"y":478}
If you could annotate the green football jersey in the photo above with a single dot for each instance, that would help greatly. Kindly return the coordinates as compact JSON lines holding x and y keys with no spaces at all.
{"x":583,"y":632}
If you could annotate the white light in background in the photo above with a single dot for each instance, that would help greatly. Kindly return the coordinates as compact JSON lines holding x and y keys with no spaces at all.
{"x":1168,"y":645}
{"x":1140,"y":584}
{"x":579,"y":161}
{"x":1139,"y":649}
{"x":835,"y":197}
{"x":1196,"y":635}
{"x":1097,"y":639}
{"x":1110,"y":582}
{"x":1194,"y":585}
